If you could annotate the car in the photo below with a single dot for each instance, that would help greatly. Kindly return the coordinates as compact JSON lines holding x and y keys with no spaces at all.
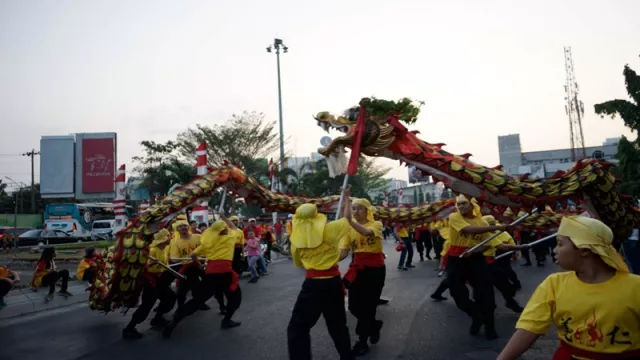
{"x":46,"y":237}
{"x":103,"y":229}
{"x":12,"y":231}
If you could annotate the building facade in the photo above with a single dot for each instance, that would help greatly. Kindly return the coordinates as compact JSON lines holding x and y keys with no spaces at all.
{"x":546,"y":162}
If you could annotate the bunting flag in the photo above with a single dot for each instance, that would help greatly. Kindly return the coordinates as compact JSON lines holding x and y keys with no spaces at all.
{"x":352,"y":168}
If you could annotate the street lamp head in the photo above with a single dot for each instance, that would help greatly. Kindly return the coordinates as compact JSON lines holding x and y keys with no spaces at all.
{"x":278,"y":42}
{"x":268,"y":49}
{"x":286,"y":49}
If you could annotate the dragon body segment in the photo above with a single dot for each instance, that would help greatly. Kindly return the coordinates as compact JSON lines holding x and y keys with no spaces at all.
{"x":589,"y":181}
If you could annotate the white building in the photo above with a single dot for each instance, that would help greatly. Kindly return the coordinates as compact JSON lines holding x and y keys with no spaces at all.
{"x":304,"y":164}
{"x":546,"y":162}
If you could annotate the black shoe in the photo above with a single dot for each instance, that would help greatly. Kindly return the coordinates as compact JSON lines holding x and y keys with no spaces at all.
{"x":159,"y":322}
{"x":490,"y":334}
{"x":526,"y":264}
{"x":540,"y":264}
{"x":429,"y":257}
{"x":205,"y":307}
{"x":229,"y":324}
{"x":513,"y":305}
{"x":475,"y":327}
{"x":168,"y":330}
{"x":438,"y":297}
{"x":421,"y":259}
{"x":361,"y":348}
{"x":253,"y":280}
{"x":375,"y":336}
{"x":410,"y":266}
{"x":130,"y":333}
{"x":402,"y":268}
{"x":383,"y":302}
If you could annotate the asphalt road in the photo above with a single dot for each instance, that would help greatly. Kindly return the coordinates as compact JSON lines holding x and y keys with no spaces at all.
{"x":415,"y":327}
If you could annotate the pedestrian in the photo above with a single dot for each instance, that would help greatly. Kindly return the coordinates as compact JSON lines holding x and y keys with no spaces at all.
{"x":8,"y":279}
{"x":193,"y":224}
{"x":406,"y":256}
{"x":594,"y":303}
{"x":253,"y":253}
{"x":366,"y":275}
{"x":202,"y":227}
{"x":239,"y":237}
{"x":157,"y":286}
{"x":314,"y":246}
{"x":467,"y":229}
{"x":419,"y":243}
{"x":46,"y":274}
{"x":218,"y":248}
{"x":268,"y":237}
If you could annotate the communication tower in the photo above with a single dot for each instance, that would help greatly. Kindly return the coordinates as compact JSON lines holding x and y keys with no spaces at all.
{"x":574,"y":108}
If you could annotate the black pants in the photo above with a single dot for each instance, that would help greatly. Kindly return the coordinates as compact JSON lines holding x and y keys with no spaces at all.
{"x":420,"y":248}
{"x":473,"y":268}
{"x":193,"y":275}
{"x":237,"y":263}
{"x":437,"y":245}
{"x":5,"y":287}
{"x":538,"y":250}
{"x":444,"y":285}
{"x":150,"y":294}
{"x":211,"y":285}
{"x":319,"y":297}
{"x":505,"y":265}
{"x":88,"y":275}
{"x":52,"y":278}
{"x":428,"y":245}
{"x":501,"y":281}
{"x":364,"y":293}
{"x":267,"y":254}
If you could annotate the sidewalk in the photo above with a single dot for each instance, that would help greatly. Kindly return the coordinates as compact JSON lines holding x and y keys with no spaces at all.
{"x":26,"y":301}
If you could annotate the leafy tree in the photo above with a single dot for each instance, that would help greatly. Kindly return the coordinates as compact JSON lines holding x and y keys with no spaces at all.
{"x":628,"y":151}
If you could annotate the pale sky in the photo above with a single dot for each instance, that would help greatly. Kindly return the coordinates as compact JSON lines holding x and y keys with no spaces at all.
{"x":150,"y":69}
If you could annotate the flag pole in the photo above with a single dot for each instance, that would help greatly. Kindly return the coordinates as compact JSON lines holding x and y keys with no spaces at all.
{"x":344,"y":188}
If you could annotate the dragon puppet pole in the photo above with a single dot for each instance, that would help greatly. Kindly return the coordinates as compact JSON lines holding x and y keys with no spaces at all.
{"x":498,"y":233}
{"x":352,"y":167}
{"x":224,"y":197}
{"x":530,"y":244}
{"x":169,"y":269}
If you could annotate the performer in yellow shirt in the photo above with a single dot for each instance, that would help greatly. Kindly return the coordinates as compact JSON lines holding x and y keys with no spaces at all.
{"x":219,"y":277}
{"x":595,"y":303}
{"x":366,"y":274}
{"x":157,"y":286}
{"x":182,"y":245}
{"x":467,"y":229}
{"x":314,"y":246}
{"x":238,"y":237}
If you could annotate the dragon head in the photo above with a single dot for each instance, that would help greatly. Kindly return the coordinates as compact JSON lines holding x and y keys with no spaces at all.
{"x":378,"y":133}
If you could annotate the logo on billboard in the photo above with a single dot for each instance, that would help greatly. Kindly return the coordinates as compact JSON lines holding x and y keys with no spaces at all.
{"x":98,"y":165}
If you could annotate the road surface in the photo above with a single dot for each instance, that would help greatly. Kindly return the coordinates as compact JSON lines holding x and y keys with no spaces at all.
{"x":415,"y":327}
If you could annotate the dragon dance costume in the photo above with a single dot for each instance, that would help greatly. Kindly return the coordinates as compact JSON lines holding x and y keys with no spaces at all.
{"x":365,"y":277}
{"x":217,"y":246}
{"x":314,"y":246}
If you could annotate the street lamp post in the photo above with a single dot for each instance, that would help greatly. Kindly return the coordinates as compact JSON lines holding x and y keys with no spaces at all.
{"x":277,"y":45}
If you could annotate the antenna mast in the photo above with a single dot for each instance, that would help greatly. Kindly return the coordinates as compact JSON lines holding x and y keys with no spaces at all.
{"x":574,"y":108}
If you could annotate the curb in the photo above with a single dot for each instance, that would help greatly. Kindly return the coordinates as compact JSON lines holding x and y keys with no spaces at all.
{"x":21,"y":302}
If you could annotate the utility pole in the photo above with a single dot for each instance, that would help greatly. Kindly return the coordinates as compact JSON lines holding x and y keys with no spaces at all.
{"x":32,"y":155}
{"x":277,"y":44}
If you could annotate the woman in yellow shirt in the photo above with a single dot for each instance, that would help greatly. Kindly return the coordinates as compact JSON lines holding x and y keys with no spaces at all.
{"x":595,"y":303}
{"x":157,"y":286}
{"x":219,"y":277}
{"x":315,"y":247}
{"x":402,"y":232}
{"x":366,"y":274}
{"x":467,"y":229}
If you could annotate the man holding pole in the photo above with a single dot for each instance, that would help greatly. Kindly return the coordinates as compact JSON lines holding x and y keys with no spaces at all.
{"x":466,"y":230}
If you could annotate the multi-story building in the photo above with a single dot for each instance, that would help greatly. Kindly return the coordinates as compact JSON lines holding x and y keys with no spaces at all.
{"x":304,"y":164}
{"x":546,"y":162}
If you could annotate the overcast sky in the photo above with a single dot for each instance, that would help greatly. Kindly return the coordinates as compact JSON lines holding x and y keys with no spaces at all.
{"x":150,"y":69}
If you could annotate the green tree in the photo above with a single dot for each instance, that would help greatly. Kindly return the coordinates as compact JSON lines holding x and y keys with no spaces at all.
{"x":628,"y":151}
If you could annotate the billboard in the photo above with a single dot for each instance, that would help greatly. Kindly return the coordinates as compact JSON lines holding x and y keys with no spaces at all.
{"x":57,"y":165}
{"x":95,"y":165}
{"x":417,"y":176}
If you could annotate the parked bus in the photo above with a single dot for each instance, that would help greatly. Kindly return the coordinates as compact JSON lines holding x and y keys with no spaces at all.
{"x":77,"y":219}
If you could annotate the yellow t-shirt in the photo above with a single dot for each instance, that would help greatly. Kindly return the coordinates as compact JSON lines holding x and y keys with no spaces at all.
{"x":161,"y":256}
{"x":82,"y":267}
{"x":289,"y":227}
{"x":327,"y":254}
{"x":457,"y":222}
{"x":238,"y":236}
{"x":496,"y":241}
{"x":445,"y":248}
{"x":181,"y":248}
{"x":403,"y":232}
{"x":602,"y":318}
{"x":220,"y":249}
{"x":359,"y":243}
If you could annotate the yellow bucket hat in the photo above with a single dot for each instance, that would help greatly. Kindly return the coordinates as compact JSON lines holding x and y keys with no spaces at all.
{"x":160,"y":237}
{"x":367,"y":205}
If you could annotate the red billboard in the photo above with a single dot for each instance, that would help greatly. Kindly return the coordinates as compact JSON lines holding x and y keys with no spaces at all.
{"x":98,"y":165}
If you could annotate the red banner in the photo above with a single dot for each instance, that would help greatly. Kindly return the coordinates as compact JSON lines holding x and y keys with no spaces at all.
{"x":98,"y":165}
